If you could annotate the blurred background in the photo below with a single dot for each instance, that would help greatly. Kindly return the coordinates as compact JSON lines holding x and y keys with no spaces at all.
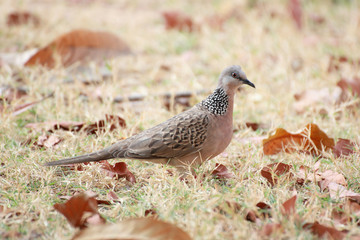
{"x":146,"y":60}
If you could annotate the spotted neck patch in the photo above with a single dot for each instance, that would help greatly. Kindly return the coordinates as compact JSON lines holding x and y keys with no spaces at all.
{"x":217,"y":103}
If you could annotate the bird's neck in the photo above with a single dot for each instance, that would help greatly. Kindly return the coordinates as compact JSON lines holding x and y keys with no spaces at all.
{"x":219,"y":102}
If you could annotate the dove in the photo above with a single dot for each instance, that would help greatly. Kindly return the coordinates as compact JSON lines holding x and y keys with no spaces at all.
{"x":186,"y":140}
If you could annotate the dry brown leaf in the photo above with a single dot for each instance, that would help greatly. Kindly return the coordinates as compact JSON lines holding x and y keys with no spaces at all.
{"x":221,"y":172}
{"x":305,"y":175}
{"x":9,"y":94}
{"x":119,"y":170}
{"x":179,"y":21}
{"x":311,"y":139}
{"x":151,"y":213}
{"x":22,"y":18}
{"x":90,"y":194}
{"x":111,"y":122}
{"x":350,"y":85}
{"x":344,"y":147}
{"x":44,"y":141}
{"x":336,"y":62}
{"x":343,"y":214}
{"x":265,"y":209}
{"x":100,"y":126}
{"x":339,"y":191}
{"x":112,"y":196}
{"x":252,"y":217}
{"x":322,"y":231}
{"x":80,"y":167}
{"x":79,"y":46}
{"x":273,"y":171}
{"x":255,"y":126}
{"x":138,"y":228}
{"x":295,"y":10}
{"x":328,"y":177}
{"x":79,"y":209}
{"x":288,"y":207}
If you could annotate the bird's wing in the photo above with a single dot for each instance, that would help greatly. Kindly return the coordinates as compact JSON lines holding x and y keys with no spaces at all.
{"x":181,"y":135}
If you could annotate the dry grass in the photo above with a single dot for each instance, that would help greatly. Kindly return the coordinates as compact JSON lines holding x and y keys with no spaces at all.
{"x":264,"y":46}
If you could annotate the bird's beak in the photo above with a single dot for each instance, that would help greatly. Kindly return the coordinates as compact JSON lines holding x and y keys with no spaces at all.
{"x":245,"y":81}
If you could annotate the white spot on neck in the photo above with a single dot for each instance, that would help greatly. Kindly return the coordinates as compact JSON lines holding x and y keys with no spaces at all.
{"x":217,"y":103}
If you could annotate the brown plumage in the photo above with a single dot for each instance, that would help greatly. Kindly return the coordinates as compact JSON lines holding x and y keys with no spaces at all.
{"x":185,"y":140}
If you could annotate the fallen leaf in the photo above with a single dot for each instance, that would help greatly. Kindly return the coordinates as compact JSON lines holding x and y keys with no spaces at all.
{"x":79,"y":46}
{"x":221,"y":172}
{"x":179,"y":21}
{"x":78,"y":209}
{"x":252,"y":217}
{"x":264,"y":209}
{"x":22,"y":18}
{"x":111,"y":122}
{"x":273,"y":171}
{"x":100,"y":126}
{"x":137,"y":228}
{"x":311,"y":139}
{"x":344,"y":147}
{"x":253,"y":126}
{"x":322,"y":231}
{"x":44,"y":141}
{"x":304,"y":174}
{"x":295,"y":10}
{"x":336,"y":62}
{"x":343,"y":214}
{"x":95,"y":219}
{"x":80,"y":167}
{"x":351,"y":85}
{"x":16,"y":59}
{"x":288,"y":207}
{"x":328,"y":177}
{"x":90,"y":194}
{"x":9,"y":94}
{"x":271,"y":228}
{"x":151,"y":213}
{"x":113,"y":196}
{"x":339,"y":191}
{"x":119,"y":170}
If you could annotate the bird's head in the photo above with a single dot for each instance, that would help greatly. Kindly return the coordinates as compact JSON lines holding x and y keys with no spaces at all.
{"x":233,"y":77}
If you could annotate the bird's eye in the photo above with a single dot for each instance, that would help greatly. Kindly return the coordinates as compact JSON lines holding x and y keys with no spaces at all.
{"x":234,"y":75}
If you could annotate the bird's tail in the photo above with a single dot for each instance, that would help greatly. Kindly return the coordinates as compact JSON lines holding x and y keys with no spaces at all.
{"x":91,"y":157}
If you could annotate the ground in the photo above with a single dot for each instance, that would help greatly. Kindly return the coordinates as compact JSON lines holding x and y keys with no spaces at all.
{"x":261,"y":36}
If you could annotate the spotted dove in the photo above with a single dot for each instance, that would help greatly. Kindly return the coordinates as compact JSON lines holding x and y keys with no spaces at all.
{"x":187,"y":139}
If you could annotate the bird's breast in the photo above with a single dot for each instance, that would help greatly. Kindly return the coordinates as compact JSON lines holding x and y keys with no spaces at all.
{"x":219,"y":135}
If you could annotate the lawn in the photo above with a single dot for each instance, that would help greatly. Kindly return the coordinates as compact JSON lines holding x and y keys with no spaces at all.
{"x":282,"y":58}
